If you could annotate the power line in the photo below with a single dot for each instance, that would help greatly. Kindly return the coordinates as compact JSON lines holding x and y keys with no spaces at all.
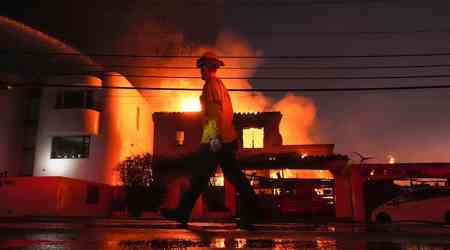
{"x":344,"y":33}
{"x":414,"y":87}
{"x":229,"y":57}
{"x":268,"y":77}
{"x":444,"y":30}
{"x":295,"y":67}
{"x":246,"y":3}
{"x":265,"y":3}
{"x":271,"y":67}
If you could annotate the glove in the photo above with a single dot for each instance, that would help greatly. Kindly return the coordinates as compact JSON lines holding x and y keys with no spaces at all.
{"x":215,"y":145}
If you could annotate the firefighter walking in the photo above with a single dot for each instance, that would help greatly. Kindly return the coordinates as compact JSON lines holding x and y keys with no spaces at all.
{"x":218,"y":146}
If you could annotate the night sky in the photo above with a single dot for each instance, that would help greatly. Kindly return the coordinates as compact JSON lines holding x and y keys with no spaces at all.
{"x":413,"y":125}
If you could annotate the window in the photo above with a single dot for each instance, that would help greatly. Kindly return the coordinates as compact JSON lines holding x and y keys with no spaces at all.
{"x":253,"y":137}
{"x":300,"y":174}
{"x":75,"y":99}
{"x":217,"y":180}
{"x":214,"y":196}
{"x":179,"y":137}
{"x":71,"y":147}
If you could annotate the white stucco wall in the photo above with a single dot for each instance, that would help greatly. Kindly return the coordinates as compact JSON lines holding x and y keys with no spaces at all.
{"x":65,"y":122}
{"x":120,"y":126}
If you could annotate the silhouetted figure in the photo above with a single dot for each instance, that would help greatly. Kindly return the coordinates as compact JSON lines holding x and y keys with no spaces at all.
{"x":218,"y":146}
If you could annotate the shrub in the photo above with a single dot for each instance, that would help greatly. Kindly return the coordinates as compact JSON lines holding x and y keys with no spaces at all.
{"x":142,"y":191}
{"x":136,"y":171}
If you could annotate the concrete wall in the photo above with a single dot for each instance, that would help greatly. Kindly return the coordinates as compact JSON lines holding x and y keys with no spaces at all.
{"x":124,"y":129}
{"x":51,"y":196}
{"x":66,"y":122}
{"x":270,"y":121}
{"x":166,"y":125}
{"x":343,"y":197}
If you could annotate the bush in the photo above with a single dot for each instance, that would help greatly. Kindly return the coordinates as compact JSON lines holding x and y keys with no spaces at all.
{"x":142,"y":191}
{"x":136,"y":171}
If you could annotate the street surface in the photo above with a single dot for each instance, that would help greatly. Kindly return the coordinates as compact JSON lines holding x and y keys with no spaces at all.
{"x":127,"y":234}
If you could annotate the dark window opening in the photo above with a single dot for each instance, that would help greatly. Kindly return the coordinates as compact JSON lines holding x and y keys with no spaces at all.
{"x":72,"y":147}
{"x":76,"y":99}
{"x":92,"y":194}
{"x":179,"y":137}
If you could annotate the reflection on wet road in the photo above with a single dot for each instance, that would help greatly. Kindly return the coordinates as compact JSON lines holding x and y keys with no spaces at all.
{"x":86,"y":236}
{"x":228,"y":243}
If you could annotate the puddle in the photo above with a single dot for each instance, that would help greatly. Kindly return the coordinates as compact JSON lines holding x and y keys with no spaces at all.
{"x":242,"y":243}
{"x":145,"y":239}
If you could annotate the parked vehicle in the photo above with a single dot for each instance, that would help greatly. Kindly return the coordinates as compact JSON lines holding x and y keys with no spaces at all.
{"x":425,"y":205}
{"x":306,"y":199}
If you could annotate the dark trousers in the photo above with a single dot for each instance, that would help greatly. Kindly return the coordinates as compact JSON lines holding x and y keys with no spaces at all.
{"x":209,"y":161}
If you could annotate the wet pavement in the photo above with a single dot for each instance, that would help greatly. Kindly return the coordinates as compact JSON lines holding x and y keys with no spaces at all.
{"x":160,"y":234}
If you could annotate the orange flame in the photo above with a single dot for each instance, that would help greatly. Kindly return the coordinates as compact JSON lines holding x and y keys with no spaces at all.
{"x":391,"y":159}
{"x":190,"y":104}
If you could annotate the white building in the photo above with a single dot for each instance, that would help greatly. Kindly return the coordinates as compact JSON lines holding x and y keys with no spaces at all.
{"x":81,"y":133}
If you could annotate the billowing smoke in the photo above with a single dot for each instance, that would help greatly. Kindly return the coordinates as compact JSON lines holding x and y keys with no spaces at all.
{"x":229,"y":44}
{"x":298,"y":112}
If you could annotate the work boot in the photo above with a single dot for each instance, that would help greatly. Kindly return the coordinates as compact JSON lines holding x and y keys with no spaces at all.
{"x":174,"y":214}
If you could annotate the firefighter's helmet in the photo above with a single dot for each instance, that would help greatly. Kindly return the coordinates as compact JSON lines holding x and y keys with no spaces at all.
{"x":210,"y":60}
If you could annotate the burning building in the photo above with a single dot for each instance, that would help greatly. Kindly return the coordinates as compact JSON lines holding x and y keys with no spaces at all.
{"x":59,"y":146}
{"x":83,"y":132}
{"x":261,"y":155}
